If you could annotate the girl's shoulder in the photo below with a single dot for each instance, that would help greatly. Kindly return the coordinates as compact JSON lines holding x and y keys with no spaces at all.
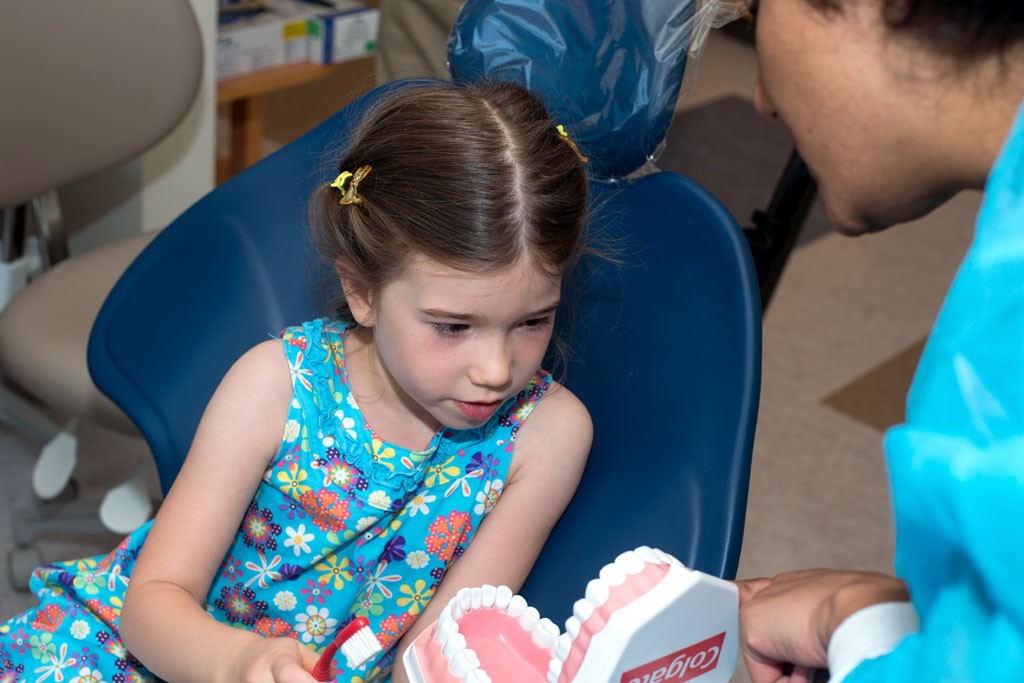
{"x":545,"y":402}
{"x":262,"y":364}
{"x":316,"y":348}
{"x":316,"y":362}
{"x":258,"y":387}
{"x":513,"y":414}
{"x":552,"y":448}
{"x":559,"y":426}
{"x":321,"y":332}
{"x":562,"y":410}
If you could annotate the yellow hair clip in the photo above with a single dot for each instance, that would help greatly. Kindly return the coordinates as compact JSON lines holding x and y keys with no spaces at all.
{"x":565,"y":136}
{"x":348,"y":183}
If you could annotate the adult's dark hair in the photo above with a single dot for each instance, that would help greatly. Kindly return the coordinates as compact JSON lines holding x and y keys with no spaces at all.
{"x":962,"y":29}
{"x":474,"y":176}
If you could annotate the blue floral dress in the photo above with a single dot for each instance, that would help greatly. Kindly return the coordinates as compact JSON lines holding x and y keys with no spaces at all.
{"x":343,"y":524}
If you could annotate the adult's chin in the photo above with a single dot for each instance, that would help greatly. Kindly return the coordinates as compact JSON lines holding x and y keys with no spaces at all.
{"x":849,"y":223}
{"x":852,"y":217}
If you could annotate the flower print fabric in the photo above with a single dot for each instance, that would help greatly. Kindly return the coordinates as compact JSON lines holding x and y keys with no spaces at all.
{"x":343,"y":524}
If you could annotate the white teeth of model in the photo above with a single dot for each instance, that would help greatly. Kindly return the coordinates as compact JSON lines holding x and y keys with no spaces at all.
{"x":516,"y":606}
{"x":445,"y":629}
{"x":597,"y":592}
{"x":612,"y":575}
{"x":476,"y":676}
{"x":488,"y":593}
{"x":502,"y":597}
{"x":455,"y":644}
{"x":646,"y":554}
{"x":630,"y":562}
{"x":663,"y":556}
{"x":544,"y":633}
{"x":582,"y":609}
{"x":529,"y":618}
{"x":554,"y":670}
{"x":476,"y":597}
{"x":572,"y":627}
{"x":673,"y":560}
{"x":456,"y":610}
{"x":465,"y":596}
{"x":562,"y":646}
{"x":462,"y":663}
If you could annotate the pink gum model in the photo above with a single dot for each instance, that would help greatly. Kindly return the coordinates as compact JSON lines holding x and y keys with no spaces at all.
{"x":645,"y":619}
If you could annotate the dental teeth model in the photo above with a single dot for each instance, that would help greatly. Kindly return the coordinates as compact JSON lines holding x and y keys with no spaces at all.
{"x":645,"y":619}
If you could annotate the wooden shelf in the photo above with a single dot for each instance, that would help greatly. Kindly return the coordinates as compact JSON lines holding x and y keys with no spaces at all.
{"x":271,"y":80}
{"x":244,"y":96}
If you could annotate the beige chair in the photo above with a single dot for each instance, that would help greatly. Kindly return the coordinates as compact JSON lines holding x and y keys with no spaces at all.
{"x":87,"y":85}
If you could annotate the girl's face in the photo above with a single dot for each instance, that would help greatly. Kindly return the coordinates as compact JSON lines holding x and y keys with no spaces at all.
{"x":849,"y":94}
{"x":452,"y":346}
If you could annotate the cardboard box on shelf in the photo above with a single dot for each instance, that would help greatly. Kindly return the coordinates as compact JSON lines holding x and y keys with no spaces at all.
{"x":290,"y":31}
{"x":272,"y":36}
{"x":342,"y":30}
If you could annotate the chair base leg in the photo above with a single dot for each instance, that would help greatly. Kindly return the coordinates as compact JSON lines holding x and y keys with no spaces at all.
{"x":59,"y":516}
{"x":25,"y":416}
{"x":127,"y":506}
{"x":21,"y":562}
{"x":56,"y":462}
{"x":121,"y":510}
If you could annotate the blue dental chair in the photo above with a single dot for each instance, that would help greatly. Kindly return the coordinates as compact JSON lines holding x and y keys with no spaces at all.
{"x":665,"y":349}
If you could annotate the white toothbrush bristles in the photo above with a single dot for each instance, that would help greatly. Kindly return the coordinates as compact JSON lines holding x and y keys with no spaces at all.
{"x":360,"y":647}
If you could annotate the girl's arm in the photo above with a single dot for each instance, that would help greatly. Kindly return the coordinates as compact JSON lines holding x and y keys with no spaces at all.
{"x":551,"y":450}
{"x":163,"y":622}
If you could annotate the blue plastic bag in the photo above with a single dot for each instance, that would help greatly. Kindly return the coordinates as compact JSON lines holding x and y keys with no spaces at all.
{"x":610,"y":71}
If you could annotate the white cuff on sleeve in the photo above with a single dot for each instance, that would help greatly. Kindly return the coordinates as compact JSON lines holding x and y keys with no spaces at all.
{"x":869,"y":633}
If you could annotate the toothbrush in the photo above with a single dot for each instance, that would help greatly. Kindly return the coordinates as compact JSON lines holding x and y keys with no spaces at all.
{"x":356,"y":642}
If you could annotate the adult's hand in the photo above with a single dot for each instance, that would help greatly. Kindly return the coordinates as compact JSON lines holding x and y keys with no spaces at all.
{"x":786,"y":622}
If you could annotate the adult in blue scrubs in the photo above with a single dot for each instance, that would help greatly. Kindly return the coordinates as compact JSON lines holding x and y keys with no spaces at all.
{"x":896,"y":105}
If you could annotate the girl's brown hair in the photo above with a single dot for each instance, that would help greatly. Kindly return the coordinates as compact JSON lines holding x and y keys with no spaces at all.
{"x":474,"y":176}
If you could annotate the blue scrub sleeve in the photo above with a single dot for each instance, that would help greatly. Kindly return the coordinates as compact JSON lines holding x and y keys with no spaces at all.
{"x":957,"y":465}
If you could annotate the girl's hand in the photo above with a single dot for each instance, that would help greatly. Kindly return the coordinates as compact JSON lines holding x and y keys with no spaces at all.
{"x":271,"y":660}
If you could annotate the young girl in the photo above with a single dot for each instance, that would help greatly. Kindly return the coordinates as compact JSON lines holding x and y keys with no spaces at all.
{"x":456,"y":213}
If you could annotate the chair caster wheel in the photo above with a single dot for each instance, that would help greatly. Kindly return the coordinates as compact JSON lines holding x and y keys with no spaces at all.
{"x":56,"y":463}
{"x":127,"y":506}
{"x":68,"y":493}
{"x":21,"y":562}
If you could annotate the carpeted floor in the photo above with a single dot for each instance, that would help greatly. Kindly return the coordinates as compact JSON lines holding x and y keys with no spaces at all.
{"x":105,"y":459}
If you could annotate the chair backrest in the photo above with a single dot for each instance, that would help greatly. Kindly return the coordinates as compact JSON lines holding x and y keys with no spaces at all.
{"x":89,"y":85}
{"x":667,"y":358}
{"x":228,"y":273}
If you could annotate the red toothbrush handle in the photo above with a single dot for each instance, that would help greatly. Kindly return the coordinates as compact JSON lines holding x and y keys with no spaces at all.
{"x":323,"y":671}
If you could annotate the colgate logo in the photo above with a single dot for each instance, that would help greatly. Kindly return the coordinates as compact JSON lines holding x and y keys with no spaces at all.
{"x":690,"y":662}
